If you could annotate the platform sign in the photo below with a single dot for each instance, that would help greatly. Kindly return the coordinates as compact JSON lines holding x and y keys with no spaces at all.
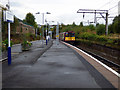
{"x":8,"y":16}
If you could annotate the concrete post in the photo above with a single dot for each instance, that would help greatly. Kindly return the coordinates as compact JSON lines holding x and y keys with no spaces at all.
{"x":46,"y":33}
{"x":95,"y":18}
{"x":43,"y":30}
{"x":107,"y":23}
{"x":57,"y":34}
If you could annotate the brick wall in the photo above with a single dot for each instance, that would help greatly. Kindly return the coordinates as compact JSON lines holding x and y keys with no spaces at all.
{"x":24,"y":28}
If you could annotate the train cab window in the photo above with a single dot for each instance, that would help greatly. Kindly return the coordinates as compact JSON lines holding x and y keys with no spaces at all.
{"x":70,"y":34}
{"x":66,"y":34}
{"x":73,"y":34}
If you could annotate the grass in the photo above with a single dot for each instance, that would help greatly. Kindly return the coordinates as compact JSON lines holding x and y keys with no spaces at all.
{"x":109,"y":43}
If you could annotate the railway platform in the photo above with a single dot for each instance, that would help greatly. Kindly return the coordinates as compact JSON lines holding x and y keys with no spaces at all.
{"x":59,"y":67}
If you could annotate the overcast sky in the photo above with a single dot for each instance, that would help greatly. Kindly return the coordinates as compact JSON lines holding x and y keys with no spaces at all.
{"x":63,"y":11}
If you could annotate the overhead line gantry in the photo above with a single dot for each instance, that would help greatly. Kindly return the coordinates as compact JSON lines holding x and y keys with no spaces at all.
{"x":101,"y":12}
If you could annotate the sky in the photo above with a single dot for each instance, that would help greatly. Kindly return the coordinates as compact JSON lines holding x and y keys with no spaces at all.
{"x":62,"y":11}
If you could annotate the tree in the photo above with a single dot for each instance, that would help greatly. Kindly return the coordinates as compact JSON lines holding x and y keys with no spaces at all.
{"x":116,"y":24}
{"x":35,"y":25}
{"x":110,"y":28}
{"x":73,"y":24}
{"x":81,"y":24}
{"x":100,"y":29}
{"x":91,"y":27}
{"x":30,"y":19}
{"x":97,"y":24}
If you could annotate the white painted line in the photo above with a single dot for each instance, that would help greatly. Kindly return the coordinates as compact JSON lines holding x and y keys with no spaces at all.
{"x":3,"y":59}
{"x":110,"y":69}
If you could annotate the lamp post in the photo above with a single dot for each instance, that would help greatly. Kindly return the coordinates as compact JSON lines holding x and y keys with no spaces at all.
{"x":47,"y":38}
{"x":50,"y":32}
{"x":46,"y":31}
{"x":43,"y":24}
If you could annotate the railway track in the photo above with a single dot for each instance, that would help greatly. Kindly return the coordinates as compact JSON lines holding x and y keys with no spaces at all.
{"x":109,"y":63}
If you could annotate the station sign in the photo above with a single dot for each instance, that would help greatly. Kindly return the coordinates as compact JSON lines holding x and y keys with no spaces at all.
{"x":8,"y":16}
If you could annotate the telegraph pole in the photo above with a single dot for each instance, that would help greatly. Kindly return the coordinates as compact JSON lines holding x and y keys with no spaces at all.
{"x":101,"y":12}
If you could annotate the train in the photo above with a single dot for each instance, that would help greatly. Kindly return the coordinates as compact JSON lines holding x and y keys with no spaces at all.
{"x":67,"y":36}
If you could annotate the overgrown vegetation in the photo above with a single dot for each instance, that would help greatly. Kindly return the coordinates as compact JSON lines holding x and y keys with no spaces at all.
{"x":17,"y":38}
{"x":96,"y":34}
{"x":5,"y":44}
{"x":115,"y":26}
{"x":26,"y":45}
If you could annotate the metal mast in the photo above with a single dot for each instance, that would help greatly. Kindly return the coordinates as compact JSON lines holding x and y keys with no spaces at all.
{"x":101,"y":12}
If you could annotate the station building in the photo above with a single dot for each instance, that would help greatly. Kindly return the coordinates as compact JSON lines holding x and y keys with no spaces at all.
{"x":23,"y":28}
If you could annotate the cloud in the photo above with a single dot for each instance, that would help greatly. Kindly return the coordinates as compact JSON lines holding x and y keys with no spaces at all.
{"x":61,"y":10}
{"x":16,"y":4}
{"x":45,"y":1}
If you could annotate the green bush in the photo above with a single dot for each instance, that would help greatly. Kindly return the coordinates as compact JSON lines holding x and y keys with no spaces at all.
{"x":5,"y":44}
{"x":26,"y":45}
{"x":100,"y":29}
{"x":91,"y":27}
{"x":101,"y":39}
{"x":110,"y":41}
{"x":96,"y":38}
{"x":88,"y":36}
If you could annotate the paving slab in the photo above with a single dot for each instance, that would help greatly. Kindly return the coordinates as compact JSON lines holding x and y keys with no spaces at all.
{"x":58,"y":67}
